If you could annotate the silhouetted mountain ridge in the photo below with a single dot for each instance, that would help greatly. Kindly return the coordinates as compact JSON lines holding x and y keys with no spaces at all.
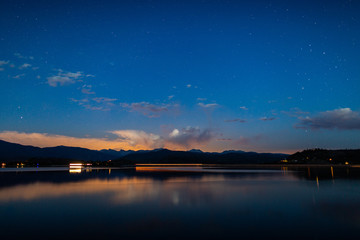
{"x":16,"y":152}
{"x":232,"y":157}
{"x":12,"y":152}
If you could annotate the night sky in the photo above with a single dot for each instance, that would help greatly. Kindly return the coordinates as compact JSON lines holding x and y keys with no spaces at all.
{"x":266,"y":76}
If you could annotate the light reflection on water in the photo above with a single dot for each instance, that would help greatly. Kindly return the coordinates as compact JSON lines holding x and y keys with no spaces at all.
{"x":181,"y":203}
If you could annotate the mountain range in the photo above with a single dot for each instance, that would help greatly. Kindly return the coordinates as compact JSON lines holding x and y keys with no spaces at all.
{"x":12,"y":152}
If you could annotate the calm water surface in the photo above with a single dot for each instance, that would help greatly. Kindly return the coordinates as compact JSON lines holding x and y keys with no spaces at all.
{"x":180,"y":203}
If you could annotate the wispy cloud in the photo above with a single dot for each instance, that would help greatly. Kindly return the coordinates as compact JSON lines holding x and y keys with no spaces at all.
{"x":64,"y":78}
{"x":18,"y":55}
{"x":25,"y":65}
{"x":18,"y":76}
{"x":188,"y":85}
{"x":201,"y":99}
{"x":2,"y":62}
{"x":295,"y":112}
{"x":209,"y":105}
{"x":267,"y":118}
{"x":243,"y":108}
{"x":235,"y":120}
{"x":96,"y":104}
{"x":100,"y":104}
{"x":104,"y":100}
{"x":84,"y":100}
{"x":342,"y":118}
{"x":87,"y":91}
{"x":96,"y":108}
{"x":74,"y":75}
{"x":149,"y":109}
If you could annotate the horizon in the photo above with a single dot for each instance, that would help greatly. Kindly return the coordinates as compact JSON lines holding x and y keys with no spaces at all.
{"x":235,"y":150}
{"x":261,"y":76}
{"x":227,"y":150}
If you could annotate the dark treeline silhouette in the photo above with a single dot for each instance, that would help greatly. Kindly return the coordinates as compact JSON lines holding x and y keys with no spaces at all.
{"x":323,"y":156}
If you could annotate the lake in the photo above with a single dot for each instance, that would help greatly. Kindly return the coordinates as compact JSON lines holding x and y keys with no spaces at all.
{"x":180,"y":202}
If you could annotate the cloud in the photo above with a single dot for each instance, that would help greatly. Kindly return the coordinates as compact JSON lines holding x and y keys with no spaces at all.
{"x":2,"y":69}
{"x":342,"y":118}
{"x":54,"y":81}
{"x":243,"y":108}
{"x":74,"y":75}
{"x":201,"y":99}
{"x":96,"y":104}
{"x":267,"y":118}
{"x":188,"y":85}
{"x":171,"y":97}
{"x":190,"y":136}
{"x":96,"y":108}
{"x":87,"y":91}
{"x":80,"y":101}
{"x":295,"y":112}
{"x":101,"y":103}
{"x":19,"y":56}
{"x":104,"y":100}
{"x":25,"y":65}
{"x":64,"y":78}
{"x":19,"y":76}
{"x":148,"y":109}
{"x":128,"y":139}
{"x":2,"y":62}
{"x":235,"y":120}
{"x":137,"y":138}
{"x":51,"y":140}
{"x":209,"y":105}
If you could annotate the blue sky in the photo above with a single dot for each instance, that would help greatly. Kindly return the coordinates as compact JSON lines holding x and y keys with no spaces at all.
{"x":267,"y":76}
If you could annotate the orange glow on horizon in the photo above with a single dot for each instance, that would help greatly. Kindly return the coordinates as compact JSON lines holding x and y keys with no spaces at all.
{"x":48,"y":140}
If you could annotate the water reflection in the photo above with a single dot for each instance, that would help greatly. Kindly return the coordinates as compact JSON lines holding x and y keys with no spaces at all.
{"x":176,"y":203}
{"x":74,"y":170}
{"x":137,"y":188}
{"x":79,"y":167}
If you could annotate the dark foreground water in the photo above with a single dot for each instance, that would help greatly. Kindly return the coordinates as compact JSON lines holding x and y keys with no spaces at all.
{"x":180,"y":203}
